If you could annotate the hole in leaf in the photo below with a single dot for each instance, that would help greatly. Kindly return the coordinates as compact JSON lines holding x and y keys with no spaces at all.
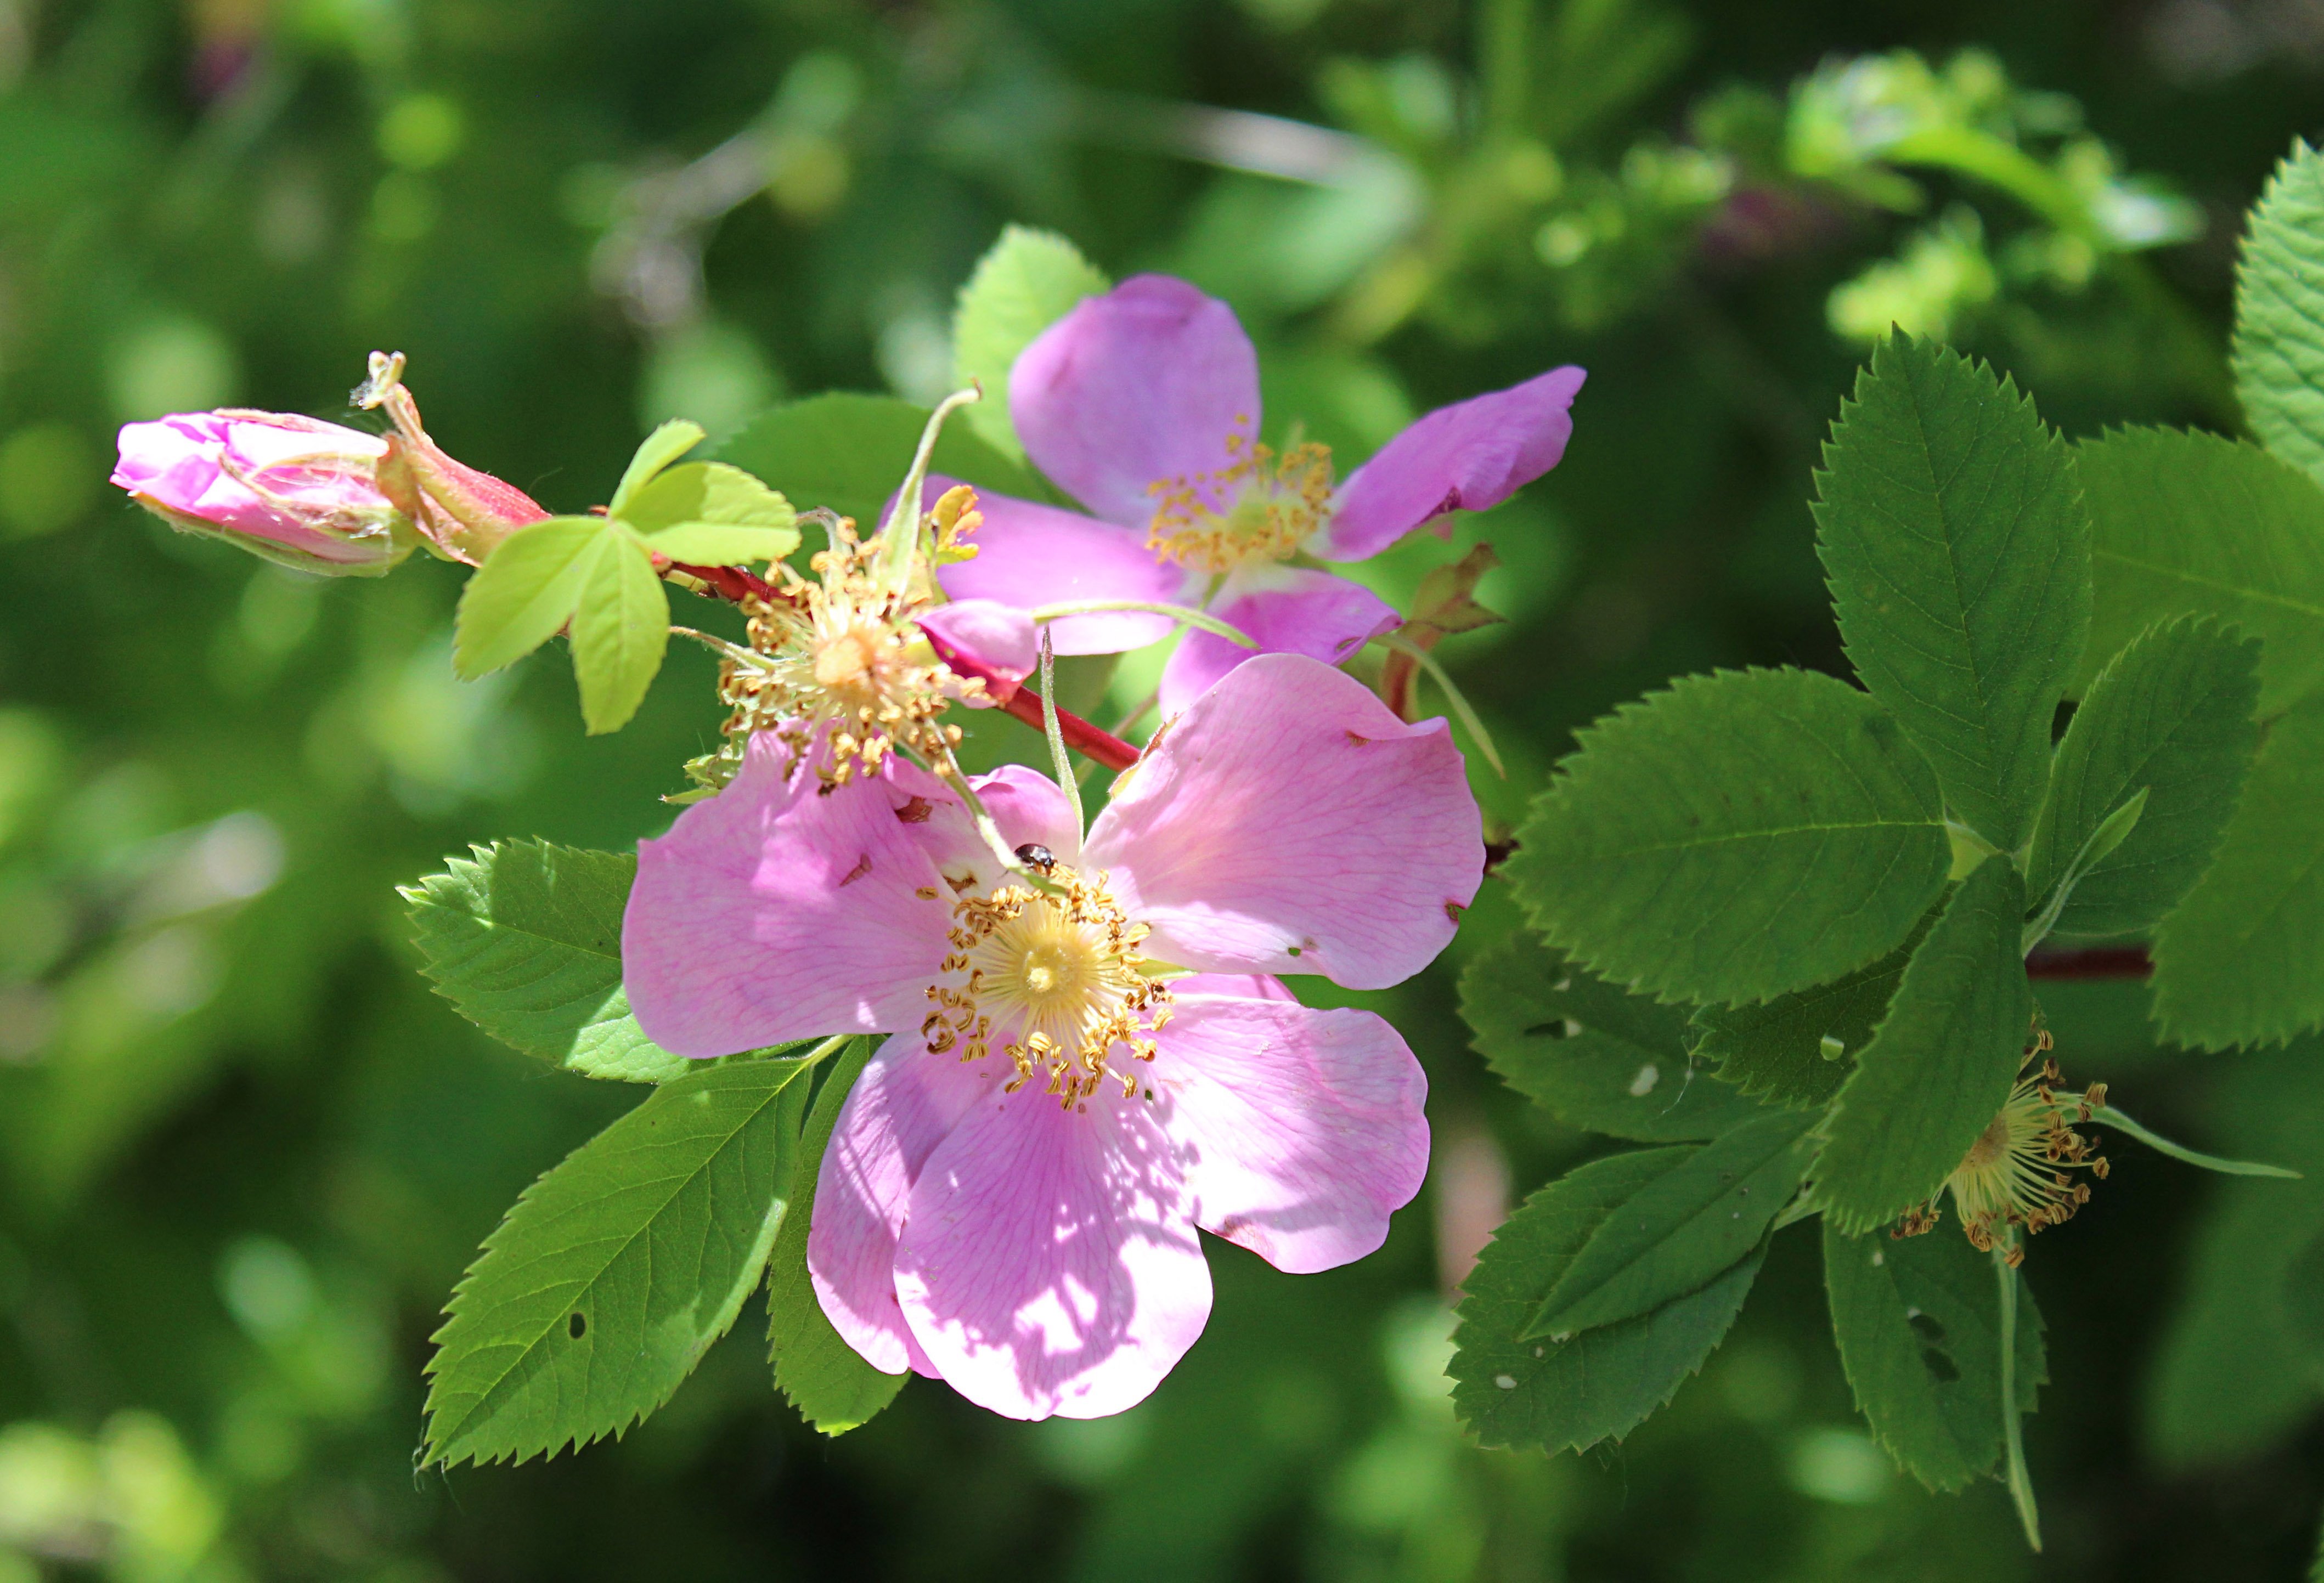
{"x":1939,"y":1366}
{"x":577,"y":1327}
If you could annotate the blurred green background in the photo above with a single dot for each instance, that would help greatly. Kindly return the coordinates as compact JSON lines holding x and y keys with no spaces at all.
{"x":245,"y":1154}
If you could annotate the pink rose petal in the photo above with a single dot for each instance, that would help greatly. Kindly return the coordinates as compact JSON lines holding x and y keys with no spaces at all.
{"x":1285,"y":610}
{"x":1029,"y":554}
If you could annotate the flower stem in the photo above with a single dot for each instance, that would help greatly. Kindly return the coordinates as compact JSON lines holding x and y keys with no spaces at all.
{"x":2021,"y":1483}
{"x":1453,"y":696}
{"x":899,"y":535}
{"x":1043,"y":614}
{"x":1013,"y":698}
{"x":1059,"y":759}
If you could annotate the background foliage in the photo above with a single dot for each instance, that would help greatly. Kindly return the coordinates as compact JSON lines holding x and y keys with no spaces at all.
{"x":245,"y":1152}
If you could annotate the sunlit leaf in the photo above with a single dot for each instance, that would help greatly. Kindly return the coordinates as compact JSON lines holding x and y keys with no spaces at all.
{"x":526,"y":590}
{"x":619,"y":634}
{"x":1026,"y":282}
{"x":707,"y":492}
{"x":657,"y":451}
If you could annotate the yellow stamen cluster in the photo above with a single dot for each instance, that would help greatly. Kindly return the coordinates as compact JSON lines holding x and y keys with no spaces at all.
{"x":1272,"y":504}
{"x":1056,"y":979}
{"x":2014,"y":1173}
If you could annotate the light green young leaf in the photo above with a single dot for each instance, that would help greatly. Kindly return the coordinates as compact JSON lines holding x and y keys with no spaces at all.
{"x":616,"y":1270}
{"x":2241,"y":962}
{"x":1743,"y":834}
{"x":1596,"y":1057}
{"x":1939,"y":1069}
{"x":1919,"y":1327}
{"x":526,"y":590}
{"x":2280,"y":313}
{"x":526,"y":940}
{"x":826,"y":1379}
{"x":1024,"y":284}
{"x":1676,"y":1232}
{"x":1958,"y":553}
{"x":657,"y":451}
{"x":1601,"y":1383}
{"x":848,"y":452}
{"x":2192,"y":524}
{"x":707,"y":492}
{"x":717,"y":544}
{"x":619,"y":634}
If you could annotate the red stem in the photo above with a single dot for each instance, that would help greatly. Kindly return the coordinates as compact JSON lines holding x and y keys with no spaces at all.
{"x":1014,"y":697}
{"x":2097,"y":961}
{"x":731,"y":584}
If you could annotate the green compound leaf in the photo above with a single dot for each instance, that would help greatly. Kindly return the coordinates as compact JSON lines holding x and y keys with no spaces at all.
{"x":1919,"y":1326}
{"x":1028,"y":281}
{"x":525,"y":592}
{"x":1743,"y":834}
{"x":1708,"y":1210}
{"x":2192,"y":524}
{"x":717,"y":544}
{"x":616,"y":1270}
{"x":1941,"y":1063}
{"x":526,"y":940}
{"x":2171,"y":715}
{"x":1601,"y":1384}
{"x":1797,"y":1049}
{"x":849,"y":452}
{"x":657,"y":451}
{"x":1595,"y":1057}
{"x":619,"y":634}
{"x":826,"y":1379}
{"x":1959,"y":555}
{"x":710,"y":492}
{"x":2280,"y":313}
{"x":2241,"y":962}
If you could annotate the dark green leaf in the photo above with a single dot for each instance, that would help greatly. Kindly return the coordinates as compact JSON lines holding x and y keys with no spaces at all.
{"x":2280,"y":313}
{"x":2171,"y":714}
{"x":525,"y":592}
{"x":1919,"y":1326}
{"x":1025,"y":283}
{"x":2241,"y":962}
{"x":1941,"y":1066}
{"x":1603,"y":1383}
{"x":601,"y":1291}
{"x":1958,"y":553}
{"x":849,"y":452}
{"x":826,"y":1379}
{"x":619,"y":634}
{"x":1598,"y":1058}
{"x":1743,"y":834}
{"x":1678,"y":1231}
{"x":657,"y":451}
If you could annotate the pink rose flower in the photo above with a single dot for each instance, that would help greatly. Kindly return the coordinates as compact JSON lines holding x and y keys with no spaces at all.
{"x":1143,"y":404}
{"x":1074,"y":1084}
{"x":294,"y":490}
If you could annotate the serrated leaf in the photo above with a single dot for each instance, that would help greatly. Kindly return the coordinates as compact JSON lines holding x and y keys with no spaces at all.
{"x":1919,"y":1326}
{"x":1594,"y":1056}
{"x":1799,"y":1048}
{"x":616,"y":1270}
{"x":1601,"y":1384}
{"x":1940,"y":1065}
{"x":2241,"y":962}
{"x":2171,"y":715}
{"x":848,"y":452}
{"x":2192,"y":524}
{"x":526,"y":940}
{"x":657,"y":451}
{"x":1026,"y":281}
{"x":527,"y":589}
{"x":708,"y":492}
{"x":1743,"y":834}
{"x":2278,"y":357}
{"x":826,"y":1379}
{"x":1680,"y":1231}
{"x":620,"y":633}
{"x":1959,"y":555}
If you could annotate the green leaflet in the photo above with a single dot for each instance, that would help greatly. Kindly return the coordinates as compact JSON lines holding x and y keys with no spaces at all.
{"x":1797,"y":1049}
{"x":1918,"y":1320}
{"x":657,"y":451}
{"x":1597,"y":1058}
{"x":1941,"y":1063}
{"x":2280,"y":313}
{"x":826,"y":1379}
{"x":1705,"y":1210}
{"x":849,"y":452}
{"x":1958,"y":553}
{"x":525,"y":590}
{"x":2171,"y":715}
{"x":616,"y":1270}
{"x":709,"y":514}
{"x":1603,"y":1383}
{"x":1025,"y":283}
{"x":2241,"y":962}
{"x":619,"y":632}
{"x":2192,"y":524}
{"x":526,"y":940}
{"x":1742,"y":834}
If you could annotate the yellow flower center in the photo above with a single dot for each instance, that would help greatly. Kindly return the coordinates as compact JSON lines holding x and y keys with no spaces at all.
{"x":1259,"y":507}
{"x":1056,"y":979}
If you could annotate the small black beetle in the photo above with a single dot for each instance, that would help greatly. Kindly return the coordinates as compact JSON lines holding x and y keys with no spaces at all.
{"x":1034,"y":855}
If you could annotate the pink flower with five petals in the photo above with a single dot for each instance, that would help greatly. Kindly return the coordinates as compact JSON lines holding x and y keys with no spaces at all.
{"x":1143,"y":405}
{"x":1075,"y":1082}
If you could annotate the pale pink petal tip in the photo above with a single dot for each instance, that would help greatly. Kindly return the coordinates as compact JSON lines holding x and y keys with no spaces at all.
{"x":1285,"y":610}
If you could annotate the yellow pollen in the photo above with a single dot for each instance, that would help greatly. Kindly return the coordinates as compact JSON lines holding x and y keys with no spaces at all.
{"x":1259,"y":507}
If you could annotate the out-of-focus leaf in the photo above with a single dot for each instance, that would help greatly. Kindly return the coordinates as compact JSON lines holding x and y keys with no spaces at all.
{"x":619,"y":634}
{"x":1959,"y":552}
{"x":598,"y":1294}
{"x":850,"y":453}
{"x":526,"y":590}
{"x":2280,"y":313}
{"x":1740,"y":836}
{"x":1026,"y":282}
{"x":1797,"y":1049}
